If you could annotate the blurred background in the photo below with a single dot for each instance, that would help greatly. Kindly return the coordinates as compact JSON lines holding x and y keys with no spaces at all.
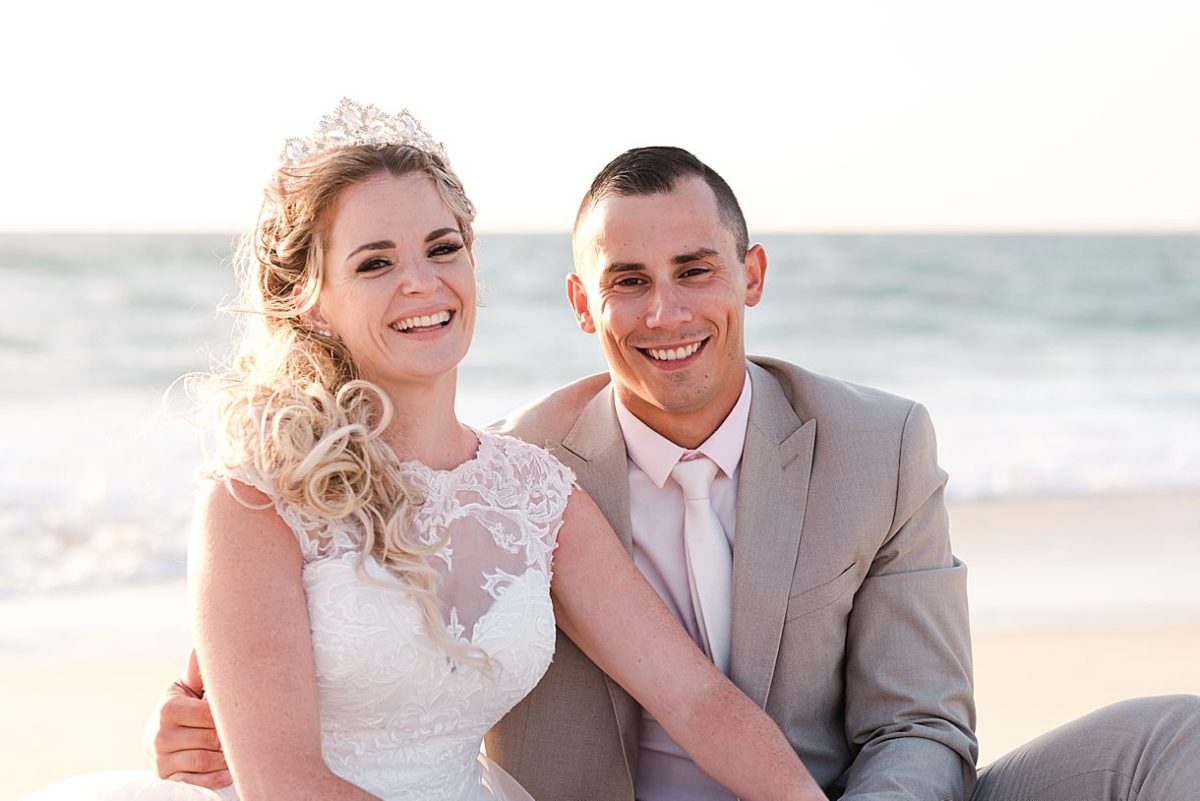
{"x":993,"y":208}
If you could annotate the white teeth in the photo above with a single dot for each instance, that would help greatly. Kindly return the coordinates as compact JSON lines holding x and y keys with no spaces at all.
{"x":423,"y":321}
{"x":675,"y":354}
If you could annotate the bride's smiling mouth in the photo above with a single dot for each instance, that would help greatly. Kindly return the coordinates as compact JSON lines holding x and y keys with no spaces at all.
{"x":420,"y":323}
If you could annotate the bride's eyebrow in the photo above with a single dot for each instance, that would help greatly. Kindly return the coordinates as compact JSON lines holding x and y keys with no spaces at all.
{"x":382,"y":244}
{"x":386,"y":244}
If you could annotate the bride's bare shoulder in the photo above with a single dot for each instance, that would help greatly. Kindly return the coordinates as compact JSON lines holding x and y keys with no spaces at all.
{"x":230,"y":509}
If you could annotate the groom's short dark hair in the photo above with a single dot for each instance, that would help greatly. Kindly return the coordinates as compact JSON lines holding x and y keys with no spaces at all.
{"x":656,"y":170}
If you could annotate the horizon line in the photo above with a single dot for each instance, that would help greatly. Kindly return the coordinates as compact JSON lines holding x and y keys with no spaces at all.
{"x":534,"y":231}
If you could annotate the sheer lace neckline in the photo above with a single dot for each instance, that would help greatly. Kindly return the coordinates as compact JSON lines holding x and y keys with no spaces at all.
{"x":479,"y":457}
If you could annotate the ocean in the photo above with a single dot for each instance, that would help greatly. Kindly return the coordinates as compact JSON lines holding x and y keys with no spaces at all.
{"x":1052,"y":365}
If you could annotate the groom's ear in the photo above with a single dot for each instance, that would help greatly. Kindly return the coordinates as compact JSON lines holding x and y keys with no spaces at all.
{"x":755,"y":267}
{"x":578,"y":298}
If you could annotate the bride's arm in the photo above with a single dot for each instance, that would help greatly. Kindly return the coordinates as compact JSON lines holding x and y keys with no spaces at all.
{"x":606,"y":607}
{"x":251,"y":626}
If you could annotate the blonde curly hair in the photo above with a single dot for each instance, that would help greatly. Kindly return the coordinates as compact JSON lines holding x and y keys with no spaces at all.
{"x":291,"y":409}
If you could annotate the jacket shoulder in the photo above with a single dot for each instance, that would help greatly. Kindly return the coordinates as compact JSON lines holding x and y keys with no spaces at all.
{"x":833,"y":400}
{"x":547,"y":420}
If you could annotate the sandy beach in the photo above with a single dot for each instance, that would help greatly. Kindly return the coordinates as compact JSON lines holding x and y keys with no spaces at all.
{"x":1076,"y":603}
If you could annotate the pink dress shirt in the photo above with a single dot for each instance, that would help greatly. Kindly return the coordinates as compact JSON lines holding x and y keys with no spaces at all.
{"x":656,"y":504}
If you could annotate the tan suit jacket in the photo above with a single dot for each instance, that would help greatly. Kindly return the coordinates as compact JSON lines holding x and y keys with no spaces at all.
{"x":849,"y":610}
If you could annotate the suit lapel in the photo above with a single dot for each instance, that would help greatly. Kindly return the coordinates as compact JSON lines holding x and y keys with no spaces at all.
{"x":599,"y":461}
{"x":772,"y":492}
{"x":595,"y":450}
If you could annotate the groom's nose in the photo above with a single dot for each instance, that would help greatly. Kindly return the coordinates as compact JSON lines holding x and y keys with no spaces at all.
{"x":666,"y":307}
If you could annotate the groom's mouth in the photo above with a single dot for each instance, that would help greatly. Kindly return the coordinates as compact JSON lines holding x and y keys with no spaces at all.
{"x":674,"y":356}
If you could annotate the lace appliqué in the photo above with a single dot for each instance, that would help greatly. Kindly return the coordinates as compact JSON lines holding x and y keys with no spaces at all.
{"x":514,"y":490}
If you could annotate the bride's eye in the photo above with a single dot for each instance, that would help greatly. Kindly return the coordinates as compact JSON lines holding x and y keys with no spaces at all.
{"x":444,"y":249}
{"x":372,"y":265}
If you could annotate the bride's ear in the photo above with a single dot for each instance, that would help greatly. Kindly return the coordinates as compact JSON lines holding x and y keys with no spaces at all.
{"x":308,"y":294}
{"x":315,"y":321}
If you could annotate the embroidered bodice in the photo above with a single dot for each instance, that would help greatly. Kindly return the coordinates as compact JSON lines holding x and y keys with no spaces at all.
{"x":399,"y":717}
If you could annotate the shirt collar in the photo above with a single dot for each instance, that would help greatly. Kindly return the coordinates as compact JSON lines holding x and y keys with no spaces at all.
{"x":656,"y":455}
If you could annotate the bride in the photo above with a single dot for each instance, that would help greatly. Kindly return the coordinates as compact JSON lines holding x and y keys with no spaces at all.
{"x":374,"y":583}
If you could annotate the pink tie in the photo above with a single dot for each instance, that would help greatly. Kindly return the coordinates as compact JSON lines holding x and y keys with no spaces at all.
{"x":709,"y":561}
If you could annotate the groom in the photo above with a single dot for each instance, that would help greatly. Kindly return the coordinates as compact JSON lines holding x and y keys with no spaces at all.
{"x":849,"y":613}
{"x":844,"y":611}
{"x":849,"y":616}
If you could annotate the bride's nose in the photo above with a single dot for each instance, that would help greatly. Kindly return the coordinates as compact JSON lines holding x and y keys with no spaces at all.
{"x":418,"y":277}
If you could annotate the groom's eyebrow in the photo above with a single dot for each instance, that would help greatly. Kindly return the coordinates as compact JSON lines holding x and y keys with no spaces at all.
{"x":699,"y":254}
{"x":624,"y":267}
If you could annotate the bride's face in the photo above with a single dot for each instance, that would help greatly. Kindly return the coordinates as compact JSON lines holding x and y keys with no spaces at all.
{"x":399,"y":284}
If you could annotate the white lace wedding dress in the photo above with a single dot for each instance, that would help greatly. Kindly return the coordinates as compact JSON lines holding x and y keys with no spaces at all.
{"x":399,"y":718}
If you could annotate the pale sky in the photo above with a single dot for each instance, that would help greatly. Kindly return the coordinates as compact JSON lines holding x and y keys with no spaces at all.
{"x":829,"y":116}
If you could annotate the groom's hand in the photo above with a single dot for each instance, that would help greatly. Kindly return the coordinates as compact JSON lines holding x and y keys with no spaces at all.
{"x":181,"y":737}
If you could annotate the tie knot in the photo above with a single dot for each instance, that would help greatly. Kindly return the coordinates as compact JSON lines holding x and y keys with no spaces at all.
{"x":695,"y":476}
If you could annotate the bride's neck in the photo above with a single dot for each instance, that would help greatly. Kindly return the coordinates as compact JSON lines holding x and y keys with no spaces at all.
{"x":425,"y":428}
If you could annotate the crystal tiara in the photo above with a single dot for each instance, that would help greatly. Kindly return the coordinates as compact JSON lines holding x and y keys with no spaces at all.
{"x":353,"y":124}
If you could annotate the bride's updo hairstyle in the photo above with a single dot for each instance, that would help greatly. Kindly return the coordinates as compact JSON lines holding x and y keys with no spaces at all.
{"x":290,"y":413}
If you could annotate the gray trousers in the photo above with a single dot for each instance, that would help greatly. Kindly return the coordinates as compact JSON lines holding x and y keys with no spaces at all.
{"x":1146,"y":749}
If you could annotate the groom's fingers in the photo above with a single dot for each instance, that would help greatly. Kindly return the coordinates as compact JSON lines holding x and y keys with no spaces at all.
{"x":191,"y":679}
{"x":186,"y":738}
{"x":184,"y":764}
{"x":188,"y":763}
{"x":182,"y":738}
{"x":186,"y":745}
{"x":213,"y":781}
{"x":182,"y":710}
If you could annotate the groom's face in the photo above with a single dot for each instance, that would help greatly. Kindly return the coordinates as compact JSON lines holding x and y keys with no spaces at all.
{"x":660,"y":282}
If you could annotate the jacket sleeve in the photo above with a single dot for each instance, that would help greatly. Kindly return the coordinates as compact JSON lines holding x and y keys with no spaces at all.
{"x":910,"y":710}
